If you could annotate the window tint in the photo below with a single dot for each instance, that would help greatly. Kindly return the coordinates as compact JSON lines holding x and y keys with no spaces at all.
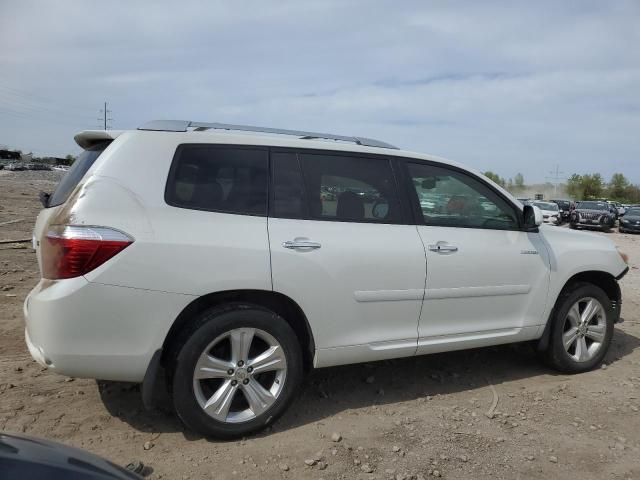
{"x":352,"y":189}
{"x":221,"y":179}
{"x":288,"y":189}
{"x":72,"y":178}
{"x":453,"y":199}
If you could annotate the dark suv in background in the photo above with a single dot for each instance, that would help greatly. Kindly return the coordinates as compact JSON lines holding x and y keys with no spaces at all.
{"x":565,"y":207}
{"x":592,"y":214}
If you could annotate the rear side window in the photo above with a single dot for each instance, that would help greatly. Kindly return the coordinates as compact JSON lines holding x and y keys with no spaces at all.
{"x":76,"y":172}
{"x":219,"y":179}
{"x":350,"y":189}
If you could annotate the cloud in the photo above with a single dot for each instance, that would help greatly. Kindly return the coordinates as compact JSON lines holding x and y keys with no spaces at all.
{"x":516,"y":87}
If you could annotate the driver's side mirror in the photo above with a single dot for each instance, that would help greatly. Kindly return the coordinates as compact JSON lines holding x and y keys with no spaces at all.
{"x":532,"y":216}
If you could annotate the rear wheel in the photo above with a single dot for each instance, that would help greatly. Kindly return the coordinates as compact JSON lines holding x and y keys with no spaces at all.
{"x":237,"y":372}
{"x":582,"y":329}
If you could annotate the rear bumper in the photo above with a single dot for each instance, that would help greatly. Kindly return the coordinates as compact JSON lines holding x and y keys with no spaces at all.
{"x":84,"y":329}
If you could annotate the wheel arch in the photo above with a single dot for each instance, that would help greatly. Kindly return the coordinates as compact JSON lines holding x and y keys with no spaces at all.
{"x":599,"y":278}
{"x":281,"y":304}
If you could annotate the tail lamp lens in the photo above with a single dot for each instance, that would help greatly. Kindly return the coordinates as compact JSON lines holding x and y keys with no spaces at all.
{"x":72,"y":250}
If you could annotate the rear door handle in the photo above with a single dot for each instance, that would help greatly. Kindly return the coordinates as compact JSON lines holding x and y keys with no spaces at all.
{"x":443,"y":247}
{"x":293,"y":244}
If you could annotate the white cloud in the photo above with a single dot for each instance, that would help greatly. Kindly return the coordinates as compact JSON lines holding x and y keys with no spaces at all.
{"x":507,"y":87}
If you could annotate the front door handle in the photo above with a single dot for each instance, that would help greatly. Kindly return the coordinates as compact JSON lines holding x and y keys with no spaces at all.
{"x":299,"y":243}
{"x":443,"y":247}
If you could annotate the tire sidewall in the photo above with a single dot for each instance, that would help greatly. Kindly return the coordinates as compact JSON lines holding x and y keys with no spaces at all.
{"x":210,"y":325}
{"x":560,"y":357}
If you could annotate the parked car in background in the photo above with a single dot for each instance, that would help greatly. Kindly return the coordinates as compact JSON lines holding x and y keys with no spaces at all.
{"x":188,"y":253}
{"x":16,"y":167}
{"x":550,"y":211}
{"x":565,"y":207}
{"x":592,"y":214}
{"x":621,"y":209}
{"x":524,"y":201}
{"x":631,"y":221}
{"x":613,"y":209}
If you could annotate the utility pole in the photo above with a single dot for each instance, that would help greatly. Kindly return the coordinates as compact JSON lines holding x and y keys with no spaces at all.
{"x":555,"y":176}
{"x":104,"y":117}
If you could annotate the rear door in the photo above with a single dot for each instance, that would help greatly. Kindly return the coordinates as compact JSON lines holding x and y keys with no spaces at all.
{"x":341,"y":248}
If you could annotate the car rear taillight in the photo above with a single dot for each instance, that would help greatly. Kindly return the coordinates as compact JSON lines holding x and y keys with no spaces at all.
{"x":72,"y":250}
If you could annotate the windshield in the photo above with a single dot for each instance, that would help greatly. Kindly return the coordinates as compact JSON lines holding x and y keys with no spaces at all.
{"x":546,"y":206}
{"x":633,"y":211}
{"x":592,"y":206}
{"x":75,"y":173}
{"x":563,"y":204}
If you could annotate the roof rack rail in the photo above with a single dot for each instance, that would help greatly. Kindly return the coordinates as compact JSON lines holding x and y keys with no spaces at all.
{"x":183,"y":125}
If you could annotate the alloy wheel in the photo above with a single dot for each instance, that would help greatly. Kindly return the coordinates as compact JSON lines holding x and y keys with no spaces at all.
{"x":584,"y":329}
{"x":240,"y":375}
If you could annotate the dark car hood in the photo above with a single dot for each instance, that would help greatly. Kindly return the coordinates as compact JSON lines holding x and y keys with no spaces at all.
{"x":28,"y":457}
{"x":632,"y":218}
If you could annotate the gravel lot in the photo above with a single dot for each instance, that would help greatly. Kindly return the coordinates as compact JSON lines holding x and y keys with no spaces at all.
{"x":412,"y":418}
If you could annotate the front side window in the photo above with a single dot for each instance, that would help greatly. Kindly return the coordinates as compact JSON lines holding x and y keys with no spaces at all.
{"x":450,"y":198}
{"x":220,"y":179}
{"x":353,"y":189}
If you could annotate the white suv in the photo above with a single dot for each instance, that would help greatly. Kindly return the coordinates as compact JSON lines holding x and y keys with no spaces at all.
{"x":229,"y":260}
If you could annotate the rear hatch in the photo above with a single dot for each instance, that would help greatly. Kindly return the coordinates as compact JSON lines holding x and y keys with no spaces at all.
{"x":94,"y":143}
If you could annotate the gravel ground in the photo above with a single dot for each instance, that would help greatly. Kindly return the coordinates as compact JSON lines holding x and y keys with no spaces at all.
{"x":413,"y":418}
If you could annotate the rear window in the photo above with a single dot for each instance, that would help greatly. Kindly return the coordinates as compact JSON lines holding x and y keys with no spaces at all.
{"x":219,"y":179}
{"x":76,"y":172}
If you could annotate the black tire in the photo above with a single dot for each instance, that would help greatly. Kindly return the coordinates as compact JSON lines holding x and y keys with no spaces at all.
{"x":555,"y":354}
{"x":208,"y":326}
{"x":573,"y":226}
{"x":620,"y":230}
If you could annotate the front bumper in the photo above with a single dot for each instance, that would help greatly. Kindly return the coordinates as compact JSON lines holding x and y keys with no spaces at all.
{"x":630,"y":227}
{"x":84,"y":329}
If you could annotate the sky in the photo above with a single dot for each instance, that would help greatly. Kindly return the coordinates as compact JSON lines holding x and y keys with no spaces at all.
{"x":504,"y":86}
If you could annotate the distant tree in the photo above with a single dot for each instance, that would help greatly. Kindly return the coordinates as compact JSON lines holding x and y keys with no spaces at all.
{"x":585,"y":187}
{"x":593,"y":186}
{"x":518,"y":181}
{"x":69,"y":159}
{"x":632,"y":194}
{"x":574,"y":187}
{"x":618,"y":186}
{"x":495,"y":177}
{"x":510,"y":185}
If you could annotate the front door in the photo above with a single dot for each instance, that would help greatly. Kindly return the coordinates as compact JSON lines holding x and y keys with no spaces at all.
{"x":487,"y":279}
{"x":341,"y":249}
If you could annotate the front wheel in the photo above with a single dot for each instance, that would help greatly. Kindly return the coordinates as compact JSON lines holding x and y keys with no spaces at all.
{"x":581,"y":331}
{"x":237,"y":372}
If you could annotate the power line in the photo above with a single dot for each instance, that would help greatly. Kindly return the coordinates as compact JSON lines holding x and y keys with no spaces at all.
{"x":105,"y":117}
{"x":555,"y":176}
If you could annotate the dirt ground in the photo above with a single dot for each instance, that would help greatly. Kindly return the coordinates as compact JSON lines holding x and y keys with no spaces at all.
{"x":412,"y":418}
